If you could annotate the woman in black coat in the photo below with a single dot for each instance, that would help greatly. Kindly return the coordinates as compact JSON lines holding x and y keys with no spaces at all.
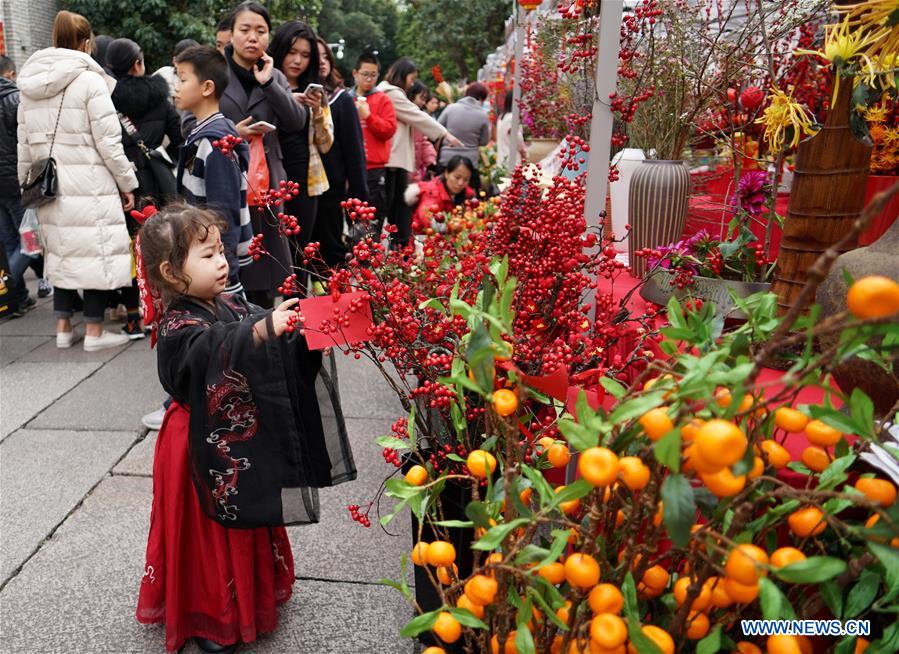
{"x":148,"y":118}
{"x":344,"y":163}
{"x":257,"y":91}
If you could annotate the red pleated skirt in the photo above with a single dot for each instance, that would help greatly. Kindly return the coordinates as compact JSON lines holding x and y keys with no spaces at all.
{"x":202,"y":579}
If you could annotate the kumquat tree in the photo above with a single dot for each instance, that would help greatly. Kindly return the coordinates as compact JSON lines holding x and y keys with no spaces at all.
{"x":687,"y":514}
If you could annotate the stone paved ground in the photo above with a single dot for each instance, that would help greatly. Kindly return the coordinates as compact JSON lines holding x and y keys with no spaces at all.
{"x":75,"y":491}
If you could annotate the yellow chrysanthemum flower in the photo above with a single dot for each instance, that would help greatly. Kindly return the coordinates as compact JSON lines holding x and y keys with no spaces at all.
{"x":877,"y":113}
{"x":782,"y":112}
{"x":875,"y":16}
{"x":842,"y":45}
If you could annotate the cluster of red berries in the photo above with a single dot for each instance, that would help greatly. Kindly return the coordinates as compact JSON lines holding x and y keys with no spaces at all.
{"x":759,"y":250}
{"x":438,"y":458}
{"x":358,"y":516}
{"x":227,"y":143}
{"x":392,"y":456}
{"x":289,"y":286}
{"x":293,"y":321}
{"x":256,"y":248}
{"x":285,"y":192}
{"x":441,"y":396}
{"x":287,"y":224}
{"x":716,"y":261}
{"x":358,"y":210}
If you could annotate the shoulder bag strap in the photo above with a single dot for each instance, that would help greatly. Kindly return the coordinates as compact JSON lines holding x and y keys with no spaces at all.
{"x":131,"y":129}
{"x":56,"y":127}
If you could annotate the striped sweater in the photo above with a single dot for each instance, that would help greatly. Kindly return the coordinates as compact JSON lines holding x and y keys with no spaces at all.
{"x":209,"y":179}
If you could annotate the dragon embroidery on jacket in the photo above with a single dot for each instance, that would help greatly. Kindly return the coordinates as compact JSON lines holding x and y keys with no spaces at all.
{"x":232,"y":418}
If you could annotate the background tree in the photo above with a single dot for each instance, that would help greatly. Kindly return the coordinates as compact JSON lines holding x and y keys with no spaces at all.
{"x":457,"y":34}
{"x":365,"y":26}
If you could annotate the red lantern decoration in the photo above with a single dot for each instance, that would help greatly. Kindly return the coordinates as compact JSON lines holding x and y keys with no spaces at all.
{"x":530,"y":5}
{"x":751,"y":98}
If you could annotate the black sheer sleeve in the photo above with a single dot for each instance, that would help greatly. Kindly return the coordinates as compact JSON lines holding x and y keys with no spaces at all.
{"x":266,"y":429}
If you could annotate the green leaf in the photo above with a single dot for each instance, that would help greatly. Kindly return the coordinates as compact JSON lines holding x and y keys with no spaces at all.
{"x":629,"y":590}
{"x":524,"y":641}
{"x":614,"y":388}
{"x":419,"y":624}
{"x":845,"y":645}
{"x":433,"y":303}
{"x":862,"y":409}
{"x":667,"y":450}
{"x":579,"y":436}
{"x":456,"y":524}
{"x":480,"y":356}
{"x":680,"y":508}
{"x":889,"y":557}
{"x":467,"y":619}
{"x":492,"y":539}
{"x":862,"y":594}
{"x":775,"y":605}
{"x":393,"y":443}
{"x":544,"y":490}
{"x":643,"y":644}
{"x":812,"y":570}
{"x":573,"y":491}
{"x":888,"y":644}
{"x":560,"y":540}
{"x":833,"y":597}
{"x":455,"y":457}
{"x":478,"y":513}
{"x":547,"y":610}
{"x":402,"y":489}
{"x":711,"y":643}
{"x":835,"y":473}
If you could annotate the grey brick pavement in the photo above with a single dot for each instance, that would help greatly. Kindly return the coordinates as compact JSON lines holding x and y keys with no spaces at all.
{"x":75,"y":491}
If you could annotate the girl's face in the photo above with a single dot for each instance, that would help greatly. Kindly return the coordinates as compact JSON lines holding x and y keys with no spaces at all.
{"x":296,"y":61}
{"x":432,"y":105}
{"x":250,"y":36}
{"x":206,"y":267}
{"x":419,"y":100}
{"x":324,"y":64}
{"x":457,"y":179}
{"x":410,"y":80}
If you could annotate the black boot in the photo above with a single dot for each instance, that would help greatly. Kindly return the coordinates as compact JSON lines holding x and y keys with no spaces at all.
{"x":212,"y":647}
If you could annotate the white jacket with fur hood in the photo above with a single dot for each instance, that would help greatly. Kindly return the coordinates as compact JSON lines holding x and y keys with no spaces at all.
{"x":86,"y":244}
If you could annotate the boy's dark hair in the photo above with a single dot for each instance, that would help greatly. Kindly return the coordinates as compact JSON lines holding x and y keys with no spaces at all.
{"x":457,"y":161}
{"x":6,"y":65}
{"x":254,"y":7}
{"x":399,"y":71}
{"x":183,"y":45}
{"x":168,"y":236}
{"x":282,"y":42}
{"x":367,"y":58}
{"x":208,"y":64}
{"x":477,"y":91}
{"x":225,"y":24}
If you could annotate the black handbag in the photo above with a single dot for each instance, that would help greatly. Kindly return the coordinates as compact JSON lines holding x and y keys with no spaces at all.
{"x":157,"y":174}
{"x":40,"y":184}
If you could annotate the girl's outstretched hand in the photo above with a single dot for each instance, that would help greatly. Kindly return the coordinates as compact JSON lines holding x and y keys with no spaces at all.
{"x":280,"y":320}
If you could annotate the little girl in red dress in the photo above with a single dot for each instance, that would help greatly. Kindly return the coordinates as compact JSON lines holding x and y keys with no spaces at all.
{"x":255,"y":428}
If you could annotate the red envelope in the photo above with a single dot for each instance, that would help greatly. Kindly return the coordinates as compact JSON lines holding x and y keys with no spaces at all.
{"x":318,"y":310}
{"x":594,"y":399}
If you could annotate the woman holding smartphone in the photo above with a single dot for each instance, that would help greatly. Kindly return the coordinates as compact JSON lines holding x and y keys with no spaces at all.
{"x":295,"y":53}
{"x":258,"y":92}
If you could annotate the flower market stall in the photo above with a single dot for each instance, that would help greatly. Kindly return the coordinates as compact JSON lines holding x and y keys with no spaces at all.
{"x":650,"y":454}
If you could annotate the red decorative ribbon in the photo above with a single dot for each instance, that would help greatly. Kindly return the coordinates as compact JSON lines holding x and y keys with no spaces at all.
{"x":150,"y":299}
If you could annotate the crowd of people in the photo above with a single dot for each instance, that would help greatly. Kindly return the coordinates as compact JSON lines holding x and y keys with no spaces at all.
{"x":143,"y":213}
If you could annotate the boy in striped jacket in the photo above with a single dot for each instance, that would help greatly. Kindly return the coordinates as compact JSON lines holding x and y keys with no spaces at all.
{"x":206,"y":176}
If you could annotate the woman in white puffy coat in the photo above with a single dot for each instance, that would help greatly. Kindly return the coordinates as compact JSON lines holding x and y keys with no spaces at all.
{"x":86,"y":243}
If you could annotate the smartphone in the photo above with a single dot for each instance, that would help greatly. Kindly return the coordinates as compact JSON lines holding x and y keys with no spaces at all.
{"x":318,"y":88}
{"x":262,"y":127}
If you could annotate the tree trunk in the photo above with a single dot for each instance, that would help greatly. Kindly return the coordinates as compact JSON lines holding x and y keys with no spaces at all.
{"x":827,"y":195}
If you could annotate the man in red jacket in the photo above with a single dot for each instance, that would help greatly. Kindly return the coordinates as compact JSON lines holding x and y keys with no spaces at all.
{"x":378,"y":127}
